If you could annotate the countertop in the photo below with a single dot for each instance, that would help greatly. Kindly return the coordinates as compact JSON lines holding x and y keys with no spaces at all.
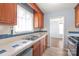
{"x":4,"y":36}
{"x":5,"y":44}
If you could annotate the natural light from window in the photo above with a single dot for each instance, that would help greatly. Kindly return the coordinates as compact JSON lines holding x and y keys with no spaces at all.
{"x":24,"y":20}
{"x":57,"y":26}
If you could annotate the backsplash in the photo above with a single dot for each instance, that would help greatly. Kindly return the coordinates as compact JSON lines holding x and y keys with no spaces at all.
{"x":5,"y":29}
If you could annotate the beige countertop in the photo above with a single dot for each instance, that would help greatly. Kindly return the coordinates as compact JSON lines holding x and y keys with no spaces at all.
{"x":5,"y":44}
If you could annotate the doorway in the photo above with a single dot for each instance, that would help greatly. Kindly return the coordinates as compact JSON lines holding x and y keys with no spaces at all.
{"x":57,"y":32}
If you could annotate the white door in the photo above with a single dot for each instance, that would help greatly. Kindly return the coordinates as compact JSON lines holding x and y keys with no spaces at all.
{"x":57,"y":32}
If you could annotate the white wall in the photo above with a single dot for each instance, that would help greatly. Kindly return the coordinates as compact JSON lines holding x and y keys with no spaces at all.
{"x":69,"y":22}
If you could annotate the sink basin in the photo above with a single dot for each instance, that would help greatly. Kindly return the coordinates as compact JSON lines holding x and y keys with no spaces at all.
{"x":31,"y":37}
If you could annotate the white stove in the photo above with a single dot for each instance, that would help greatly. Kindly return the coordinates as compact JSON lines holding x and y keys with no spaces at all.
{"x":2,"y":51}
{"x":15,"y":47}
{"x":20,"y":43}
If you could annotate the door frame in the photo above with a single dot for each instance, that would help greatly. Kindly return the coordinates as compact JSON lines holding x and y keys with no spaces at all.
{"x":63,"y":34}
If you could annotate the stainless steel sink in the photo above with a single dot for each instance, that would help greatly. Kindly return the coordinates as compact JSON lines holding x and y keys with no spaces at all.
{"x":31,"y":37}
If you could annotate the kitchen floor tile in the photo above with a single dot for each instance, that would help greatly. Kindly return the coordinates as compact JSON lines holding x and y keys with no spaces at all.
{"x":55,"y":52}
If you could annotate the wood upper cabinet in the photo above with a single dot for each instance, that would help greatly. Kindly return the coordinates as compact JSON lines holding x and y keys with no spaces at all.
{"x":41,"y":20}
{"x":33,"y":6}
{"x":38,"y":16}
{"x":36,"y":20}
{"x":77,"y":16}
{"x":8,"y":13}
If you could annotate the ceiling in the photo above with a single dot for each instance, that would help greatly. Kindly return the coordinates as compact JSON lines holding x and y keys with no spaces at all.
{"x":52,"y":7}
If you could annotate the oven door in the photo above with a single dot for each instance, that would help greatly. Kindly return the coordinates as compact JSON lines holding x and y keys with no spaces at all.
{"x":26,"y":52}
{"x":72,"y":48}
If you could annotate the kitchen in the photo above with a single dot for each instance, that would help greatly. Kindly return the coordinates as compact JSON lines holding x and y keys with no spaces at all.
{"x":38,"y":29}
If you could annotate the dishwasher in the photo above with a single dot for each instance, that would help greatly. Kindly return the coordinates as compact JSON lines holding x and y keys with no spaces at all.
{"x":26,"y":52}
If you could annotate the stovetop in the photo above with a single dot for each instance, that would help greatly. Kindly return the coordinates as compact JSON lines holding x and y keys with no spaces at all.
{"x":75,"y":37}
{"x":2,"y":51}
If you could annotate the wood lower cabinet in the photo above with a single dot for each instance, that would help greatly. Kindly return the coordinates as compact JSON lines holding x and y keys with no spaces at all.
{"x":46,"y":41}
{"x":40,"y":46}
{"x":36,"y":49}
{"x":8,"y":13}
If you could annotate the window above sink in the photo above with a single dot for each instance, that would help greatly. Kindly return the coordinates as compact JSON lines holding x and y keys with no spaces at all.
{"x":24,"y":19}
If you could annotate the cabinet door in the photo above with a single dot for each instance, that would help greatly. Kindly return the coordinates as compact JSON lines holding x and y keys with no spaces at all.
{"x":77,"y":16}
{"x":46,"y":41}
{"x":41,"y":46}
{"x":8,"y":13}
{"x":36,"y":49}
{"x":36,"y":20}
{"x":41,"y":20}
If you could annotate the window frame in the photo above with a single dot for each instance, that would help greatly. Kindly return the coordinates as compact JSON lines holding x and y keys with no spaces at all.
{"x":14,"y":30}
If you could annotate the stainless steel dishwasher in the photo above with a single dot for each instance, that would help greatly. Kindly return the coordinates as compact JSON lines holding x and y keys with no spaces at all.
{"x":26,"y":52}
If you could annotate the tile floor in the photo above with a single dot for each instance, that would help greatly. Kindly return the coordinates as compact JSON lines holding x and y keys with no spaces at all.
{"x":55,"y":52}
{"x":55,"y":49}
{"x":56,"y":42}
